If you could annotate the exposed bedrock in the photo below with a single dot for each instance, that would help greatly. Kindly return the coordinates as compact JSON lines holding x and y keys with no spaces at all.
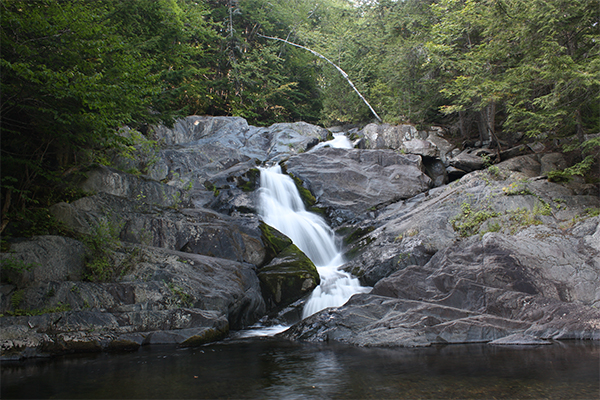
{"x":179,"y":255}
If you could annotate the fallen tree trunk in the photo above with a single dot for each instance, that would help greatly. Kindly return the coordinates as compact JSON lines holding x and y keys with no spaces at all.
{"x":341,"y":71}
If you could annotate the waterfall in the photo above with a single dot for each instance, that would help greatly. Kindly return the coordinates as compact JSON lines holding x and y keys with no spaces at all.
{"x":281,"y":207}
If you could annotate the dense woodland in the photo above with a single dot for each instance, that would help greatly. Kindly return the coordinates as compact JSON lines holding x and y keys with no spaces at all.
{"x":75,"y":71}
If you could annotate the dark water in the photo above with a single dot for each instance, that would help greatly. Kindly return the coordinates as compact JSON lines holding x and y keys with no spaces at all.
{"x":260,"y":368}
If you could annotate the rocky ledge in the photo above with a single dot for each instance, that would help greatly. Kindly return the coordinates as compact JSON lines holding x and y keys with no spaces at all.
{"x":174,"y":252}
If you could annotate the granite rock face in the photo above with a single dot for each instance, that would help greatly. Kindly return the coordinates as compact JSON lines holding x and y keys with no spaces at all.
{"x":499,"y":255}
{"x":350,"y":183}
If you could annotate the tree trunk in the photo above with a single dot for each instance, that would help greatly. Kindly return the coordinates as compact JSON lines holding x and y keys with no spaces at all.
{"x":461,"y":124}
{"x":579,"y":123}
{"x":341,"y":71}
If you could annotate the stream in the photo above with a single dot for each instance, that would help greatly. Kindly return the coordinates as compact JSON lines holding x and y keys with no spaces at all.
{"x":254,"y":364}
{"x":269,"y":368}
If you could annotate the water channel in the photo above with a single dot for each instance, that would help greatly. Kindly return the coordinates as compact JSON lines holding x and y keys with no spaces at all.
{"x":270,"y":368}
{"x":249,"y":367}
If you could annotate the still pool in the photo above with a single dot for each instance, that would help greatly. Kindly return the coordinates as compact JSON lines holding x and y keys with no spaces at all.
{"x":269,"y":368}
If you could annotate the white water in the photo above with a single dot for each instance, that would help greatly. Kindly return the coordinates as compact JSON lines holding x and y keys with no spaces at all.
{"x":339,"y":140}
{"x":281,"y":207}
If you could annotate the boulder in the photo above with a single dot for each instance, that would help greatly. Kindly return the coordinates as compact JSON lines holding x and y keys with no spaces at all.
{"x":411,"y":231}
{"x":102,"y":179}
{"x":162,"y":291}
{"x":288,"y":277}
{"x":420,"y":147}
{"x":385,"y":136}
{"x":370,"y":320}
{"x":288,"y":274}
{"x":198,"y":231}
{"x":467,"y":161}
{"x":537,"y":285}
{"x":349,"y":183}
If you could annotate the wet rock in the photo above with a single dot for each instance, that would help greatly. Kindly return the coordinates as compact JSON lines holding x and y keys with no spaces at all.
{"x":520,"y":339}
{"x":288,"y":277}
{"x":421,"y":148}
{"x":351,"y":182}
{"x":370,"y":320}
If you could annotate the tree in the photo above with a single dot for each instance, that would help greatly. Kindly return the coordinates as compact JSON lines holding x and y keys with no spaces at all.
{"x":75,"y":71}
{"x":535,"y":61}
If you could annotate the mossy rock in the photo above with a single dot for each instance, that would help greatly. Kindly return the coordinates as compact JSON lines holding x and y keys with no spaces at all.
{"x":307,"y":197}
{"x":273,"y":240}
{"x":356,"y":241}
{"x":208,"y":336}
{"x":249,"y":181}
{"x":288,"y":277}
{"x":357,"y":234}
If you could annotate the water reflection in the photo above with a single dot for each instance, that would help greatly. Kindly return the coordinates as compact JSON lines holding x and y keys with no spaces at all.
{"x":267,"y":368}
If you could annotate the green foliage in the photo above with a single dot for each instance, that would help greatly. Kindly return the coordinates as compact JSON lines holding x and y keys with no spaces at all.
{"x":60,"y":307}
{"x":521,"y":218}
{"x":183,"y":299}
{"x":17,"y":298}
{"x":470,"y":220}
{"x":75,"y":71}
{"x":16,"y":265}
{"x":518,"y":188}
{"x":593,"y":212}
{"x":101,"y":264}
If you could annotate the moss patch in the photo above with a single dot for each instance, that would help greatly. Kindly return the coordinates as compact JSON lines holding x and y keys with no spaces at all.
{"x":307,"y":197}
{"x":357,"y":234}
{"x":249,"y":181}
{"x":288,"y":277}
{"x":273,"y":240}
{"x":208,"y":336}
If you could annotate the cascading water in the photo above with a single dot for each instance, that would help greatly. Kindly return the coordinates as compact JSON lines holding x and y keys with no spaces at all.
{"x":281,"y":207}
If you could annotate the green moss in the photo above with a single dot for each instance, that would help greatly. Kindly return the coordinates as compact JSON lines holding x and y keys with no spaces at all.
{"x":357,"y":234}
{"x":249,"y":181}
{"x":22,"y":312}
{"x":273,"y":240}
{"x":208,"y":336}
{"x":470,"y":220}
{"x":307,"y":197}
{"x":289,"y":278}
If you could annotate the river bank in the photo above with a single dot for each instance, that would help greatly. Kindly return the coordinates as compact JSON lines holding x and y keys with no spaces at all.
{"x":456,"y":251}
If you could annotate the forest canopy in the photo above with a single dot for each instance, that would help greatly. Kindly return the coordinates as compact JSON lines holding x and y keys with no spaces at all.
{"x":73,"y":72}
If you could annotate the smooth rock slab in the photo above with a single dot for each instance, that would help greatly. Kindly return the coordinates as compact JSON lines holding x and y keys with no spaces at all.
{"x":370,"y":320}
{"x":44,"y":259}
{"x":349,"y":182}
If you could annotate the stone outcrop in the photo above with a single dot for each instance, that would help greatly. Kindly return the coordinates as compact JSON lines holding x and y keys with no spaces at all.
{"x":499,"y":255}
{"x":350,"y":183}
{"x":495,"y":255}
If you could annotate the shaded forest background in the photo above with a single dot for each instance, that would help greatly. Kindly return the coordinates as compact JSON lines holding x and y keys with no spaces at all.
{"x":73,"y":72}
